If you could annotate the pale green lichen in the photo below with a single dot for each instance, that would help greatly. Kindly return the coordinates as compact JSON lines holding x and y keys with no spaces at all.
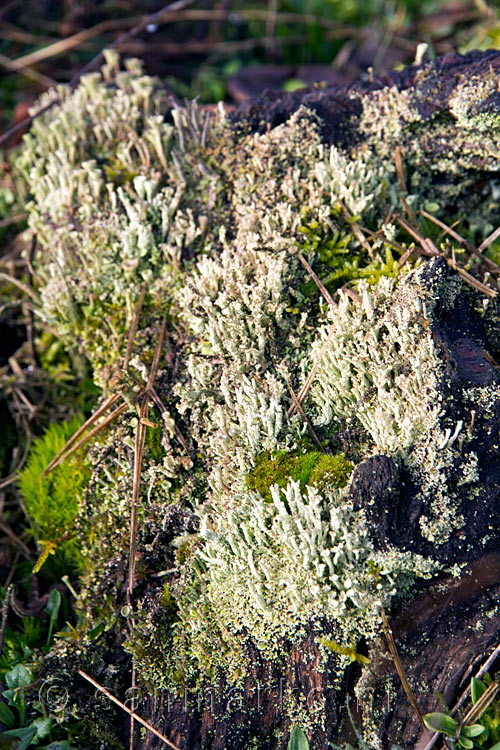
{"x":128,"y":192}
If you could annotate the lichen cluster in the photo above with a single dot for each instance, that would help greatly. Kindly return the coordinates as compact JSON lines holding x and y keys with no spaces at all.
{"x":129,"y":192}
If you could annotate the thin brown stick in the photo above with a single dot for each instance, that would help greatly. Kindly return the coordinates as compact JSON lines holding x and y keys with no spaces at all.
{"x":126,"y":709}
{"x":20,"y":285}
{"x":16,"y":540}
{"x":399,"y":668}
{"x":310,"y":378}
{"x":132,"y":706}
{"x":156,"y":359}
{"x":298,"y":407}
{"x":400,"y":172}
{"x":163,"y":409}
{"x":487,"y":242}
{"x":356,"y":229}
{"x":90,"y":421}
{"x":59,"y":47}
{"x":28,"y":72}
{"x":140,"y":439}
{"x":85,"y":439}
{"x":468,"y":245}
{"x":466,"y":276}
{"x":480,"y":673}
{"x":431,"y":250}
{"x":322,"y":288}
{"x":478,"y":709}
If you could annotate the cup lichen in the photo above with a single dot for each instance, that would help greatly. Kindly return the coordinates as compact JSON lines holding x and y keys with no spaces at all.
{"x":131,"y":193}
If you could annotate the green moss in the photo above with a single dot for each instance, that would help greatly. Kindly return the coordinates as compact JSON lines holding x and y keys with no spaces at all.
{"x":320,"y":470}
{"x":342,"y":259}
{"x":52,"y":501}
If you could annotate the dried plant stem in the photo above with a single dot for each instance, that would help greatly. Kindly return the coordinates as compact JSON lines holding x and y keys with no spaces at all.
{"x":126,"y":709}
{"x":310,"y":378}
{"x":399,"y":668}
{"x":70,"y":446}
{"x":140,"y":438}
{"x":151,"y":20}
{"x":304,"y":416}
{"x":322,"y":288}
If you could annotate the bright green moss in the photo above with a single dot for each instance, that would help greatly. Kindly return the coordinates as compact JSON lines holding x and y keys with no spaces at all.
{"x":53,"y":501}
{"x":320,"y":470}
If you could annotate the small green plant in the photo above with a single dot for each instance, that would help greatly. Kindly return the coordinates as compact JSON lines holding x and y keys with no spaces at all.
{"x":298,"y":740}
{"x":52,"y":501}
{"x":480,"y":726}
{"x":21,"y":732}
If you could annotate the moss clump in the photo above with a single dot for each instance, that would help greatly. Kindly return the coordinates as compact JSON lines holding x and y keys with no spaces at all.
{"x":53,"y":501}
{"x":320,"y":470}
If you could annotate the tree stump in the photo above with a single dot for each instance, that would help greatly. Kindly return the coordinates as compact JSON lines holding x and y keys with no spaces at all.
{"x":275,"y":520}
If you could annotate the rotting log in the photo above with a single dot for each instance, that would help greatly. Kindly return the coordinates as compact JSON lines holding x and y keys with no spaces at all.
{"x":229,"y":185}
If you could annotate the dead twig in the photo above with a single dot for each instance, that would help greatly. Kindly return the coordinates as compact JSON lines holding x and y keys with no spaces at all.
{"x":310,"y":378}
{"x":67,"y":450}
{"x":399,"y":667}
{"x":468,"y":245}
{"x":322,"y":288}
{"x":298,"y":407}
{"x":140,"y":439}
{"x":430,"y":249}
{"x":487,"y":242}
{"x":127,"y":710}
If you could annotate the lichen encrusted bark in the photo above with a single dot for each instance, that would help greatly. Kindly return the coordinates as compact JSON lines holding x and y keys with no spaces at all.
{"x":208,"y":215}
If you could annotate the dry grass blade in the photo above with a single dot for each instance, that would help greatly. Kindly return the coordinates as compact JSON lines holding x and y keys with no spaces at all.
{"x":127,"y":710}
{"x":399,"y":668}
{"x":400,"y":172}
{"x":66,"y":453}
{"x":156,"y":359}
{"x":468,"y":245}
{"x":81,"y":430}
{"x":465,"y":275}
{"x":140,"y":439}
{"x":322,"y":288}
{"x":16,"y":540}
{"x":482,"y":704}
{"x":444,"y":227}
{"x":28,"y":291}
{"x":356,"y":230}
{"x":431,"y":250}
{"x":58,"y":48}
{"x":151,"y":21}
{"x":416,"y":236}
{"x":495,"y":654}
{"x":30,"y":73}
{"x":487,"y":242}
{"x":163,"y":410}
{"x":304,"y":416}
{"x":310,"y":378}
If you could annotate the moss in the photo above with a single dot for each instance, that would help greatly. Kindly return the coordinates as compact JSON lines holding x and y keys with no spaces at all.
{"x":320,"y":470}
{"x":53,"y":501}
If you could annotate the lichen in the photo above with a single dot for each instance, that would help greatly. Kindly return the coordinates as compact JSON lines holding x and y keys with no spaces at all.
{"x":129,"y":194}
